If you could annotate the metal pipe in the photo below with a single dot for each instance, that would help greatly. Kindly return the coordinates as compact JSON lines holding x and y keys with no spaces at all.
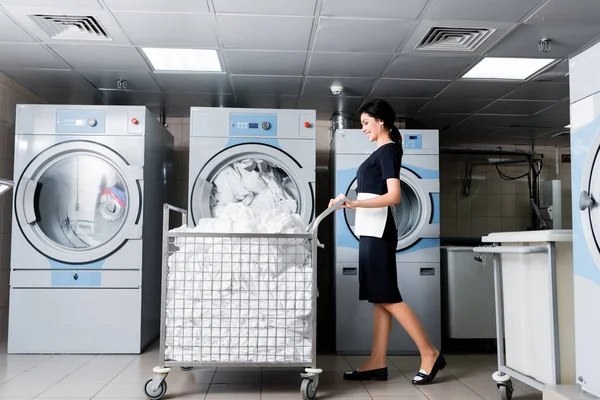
{"x":449,"y":150}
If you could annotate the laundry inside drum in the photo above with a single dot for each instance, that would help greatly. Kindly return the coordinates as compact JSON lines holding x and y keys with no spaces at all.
{"x":259,"y":184}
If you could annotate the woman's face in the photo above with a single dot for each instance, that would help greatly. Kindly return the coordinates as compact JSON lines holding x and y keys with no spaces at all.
{"x":371,"y":127}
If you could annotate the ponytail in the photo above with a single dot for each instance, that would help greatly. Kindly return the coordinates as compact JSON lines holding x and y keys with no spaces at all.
{"x":395,"y":136}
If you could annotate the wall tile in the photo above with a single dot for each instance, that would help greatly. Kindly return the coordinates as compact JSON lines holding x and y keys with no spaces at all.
{"x":509,"y":224}
{"x":448,"y":204}
{"x":463,"y":227}
{"x":479,"y":227}
{"x":509,"y":187}
{"x":448,"y":226}
{"x":494,"y":224}
{"x":508,"y":205}
{"x":463,"y":206}
{"x":479,"y":205}
{"x":494,"y":205}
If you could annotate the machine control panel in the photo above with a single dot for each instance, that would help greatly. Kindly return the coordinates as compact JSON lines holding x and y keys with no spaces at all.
{"x":253,"y":124}
{"x":412,"y":141}
{"x":80,"y":121}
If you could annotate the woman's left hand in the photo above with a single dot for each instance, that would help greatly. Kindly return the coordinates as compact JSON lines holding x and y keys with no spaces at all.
{"x":350,"y":204}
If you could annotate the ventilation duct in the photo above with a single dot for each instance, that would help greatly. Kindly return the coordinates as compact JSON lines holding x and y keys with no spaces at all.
{"x":71,"y":27}
{"x":454,"y":39}
{"x":340,"y":121}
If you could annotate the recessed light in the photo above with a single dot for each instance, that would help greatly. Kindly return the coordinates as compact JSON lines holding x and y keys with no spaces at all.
{"x":507,"y":68}
{"x":183,"y":59}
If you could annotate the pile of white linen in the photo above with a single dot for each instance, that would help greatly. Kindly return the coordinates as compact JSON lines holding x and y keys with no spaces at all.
{"x":240,"y":299}
{"x":258,"y":184}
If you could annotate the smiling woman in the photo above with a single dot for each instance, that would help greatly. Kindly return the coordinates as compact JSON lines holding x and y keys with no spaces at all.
{"x":378,"y":191}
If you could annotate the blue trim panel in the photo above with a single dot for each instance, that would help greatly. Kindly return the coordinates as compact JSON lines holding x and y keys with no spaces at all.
{"x":84,"y":279}
{"x":423,"y":173}
{"x":583,"y":263}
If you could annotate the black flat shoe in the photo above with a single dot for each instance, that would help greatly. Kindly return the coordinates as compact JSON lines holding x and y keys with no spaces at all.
{"x":423,"y":378}
{"x":380,"y":374}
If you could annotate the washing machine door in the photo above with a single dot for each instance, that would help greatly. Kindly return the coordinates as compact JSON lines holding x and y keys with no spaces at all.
{"x":77,"y":202}
{"x":589,"y":199}
{"x":218,"y":183}
{"x":412,"y":214}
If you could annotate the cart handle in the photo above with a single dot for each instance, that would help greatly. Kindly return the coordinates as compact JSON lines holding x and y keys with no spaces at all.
{"x":314,"y":225}
{"x":167,"y":208}
{"x":511,"y":249}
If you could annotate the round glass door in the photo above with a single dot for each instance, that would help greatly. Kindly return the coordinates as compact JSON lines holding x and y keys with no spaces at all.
{"x":589,"y":200}
{"x":261,"y":178}
{"x":82,"y":202}
{"x":74,"y":202}
{"x":409,"y":215}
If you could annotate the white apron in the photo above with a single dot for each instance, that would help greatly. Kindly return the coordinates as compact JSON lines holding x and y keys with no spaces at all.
{"x":370,"y":221}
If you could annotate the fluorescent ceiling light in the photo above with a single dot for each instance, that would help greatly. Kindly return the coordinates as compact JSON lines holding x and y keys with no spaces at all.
{"x":183,"y":60}
{"x":5,"y":185}
{"x":507,"y":68}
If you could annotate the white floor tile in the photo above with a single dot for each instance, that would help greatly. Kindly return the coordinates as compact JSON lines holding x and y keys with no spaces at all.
{"x":72,"y":390}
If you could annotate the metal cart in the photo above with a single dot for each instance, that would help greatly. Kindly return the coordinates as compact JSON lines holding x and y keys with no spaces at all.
{"x":504,"y":373}
{"x":238,"y":300}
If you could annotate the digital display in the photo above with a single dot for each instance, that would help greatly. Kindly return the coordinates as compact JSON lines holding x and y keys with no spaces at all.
{"x":412,"y":137}
{"x":253,"y":125}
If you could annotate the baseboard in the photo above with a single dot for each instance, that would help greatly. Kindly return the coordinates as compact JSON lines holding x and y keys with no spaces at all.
{"x":566,"y":392}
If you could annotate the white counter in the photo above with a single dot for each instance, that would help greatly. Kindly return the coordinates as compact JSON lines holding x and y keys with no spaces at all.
{"x":557,"y":235}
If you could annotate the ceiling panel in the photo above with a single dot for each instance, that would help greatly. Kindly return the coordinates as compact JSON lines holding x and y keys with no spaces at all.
{"x":266,"y":62}
{"x":319,"y":86}
{"x":347,"y":64}
{"x":264,"y":32}
{"x":521,"y":132}
{"x":267,"y":84}
{"x":136,"y":80}
{"x":194,"y":83}
{"x":89,"y":4}
{"x":408,"y":88}
{"x":500,"y":29}
{"x":186,"y":6}
{"x":428,"y":67}
{"x":360,"y":35}
{"x":92,"y":97}
{"x":100,"y":57}
{"x":49,"y":79}
{"x":11,"y":32}
{"x":405,"y":9}
{"x":567,"y":12}
{"x":266,"y":101}
{"x":501,"y":121}
{"x":404,"y":106}
{"x":22,"y":55}
{"x":558,"y":73}
{"x":541,"y":91}
{"x":480,"y":10}
{"x":477,"y":89}
{"x":169,"y":29}
{"x":525,"y":107}
{"x":557,"y":116}
{"x":187,"y":100}
{"x":523,"y":41}
{"x":440,"y":121}
{"x":326,"y":106}
{"x":464,"y":106}
{"x":266,"y":7}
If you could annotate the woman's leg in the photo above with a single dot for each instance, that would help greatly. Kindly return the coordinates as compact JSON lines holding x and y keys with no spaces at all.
{"x":411,"y":324}
{"x":382,"y":325}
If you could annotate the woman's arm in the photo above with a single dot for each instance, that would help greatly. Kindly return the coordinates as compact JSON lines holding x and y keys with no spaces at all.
{"x":391,"y":198}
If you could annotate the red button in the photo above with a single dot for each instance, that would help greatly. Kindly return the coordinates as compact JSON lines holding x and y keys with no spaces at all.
{"x":134,"y":121}
{"x":307,"y":124}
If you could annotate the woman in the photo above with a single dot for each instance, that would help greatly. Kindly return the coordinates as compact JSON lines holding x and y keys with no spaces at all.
{"x":378,"y":188}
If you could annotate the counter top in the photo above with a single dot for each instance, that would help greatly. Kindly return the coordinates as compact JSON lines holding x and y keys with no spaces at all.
{"x":555,"y":235}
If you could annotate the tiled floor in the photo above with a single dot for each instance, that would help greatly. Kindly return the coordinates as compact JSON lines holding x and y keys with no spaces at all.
{"x":122,"y":377}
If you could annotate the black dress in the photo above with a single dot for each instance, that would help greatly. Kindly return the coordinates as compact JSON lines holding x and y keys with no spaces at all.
{"x":378,"y":281}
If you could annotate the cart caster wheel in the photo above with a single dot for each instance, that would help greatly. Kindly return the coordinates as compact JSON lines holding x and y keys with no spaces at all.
{"x":157,"y":393}
{"x":506,"y":390}
{"x":308,"y":389}
{"x":187,"y":368}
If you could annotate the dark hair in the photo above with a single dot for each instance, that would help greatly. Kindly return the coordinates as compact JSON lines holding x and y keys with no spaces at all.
{"x":381,"y":110}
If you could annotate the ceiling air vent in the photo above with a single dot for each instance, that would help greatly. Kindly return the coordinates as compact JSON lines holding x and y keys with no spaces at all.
{"x":71,"y":27}
{"x":454,"y":39}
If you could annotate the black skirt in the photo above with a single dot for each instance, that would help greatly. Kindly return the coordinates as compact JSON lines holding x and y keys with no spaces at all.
{"x":378,"y":278}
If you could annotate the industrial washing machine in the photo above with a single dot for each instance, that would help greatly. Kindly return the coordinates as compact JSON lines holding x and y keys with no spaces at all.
{"x":90,"y":184}
{"x":260,"y":157}
{"x":418,"y":250}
